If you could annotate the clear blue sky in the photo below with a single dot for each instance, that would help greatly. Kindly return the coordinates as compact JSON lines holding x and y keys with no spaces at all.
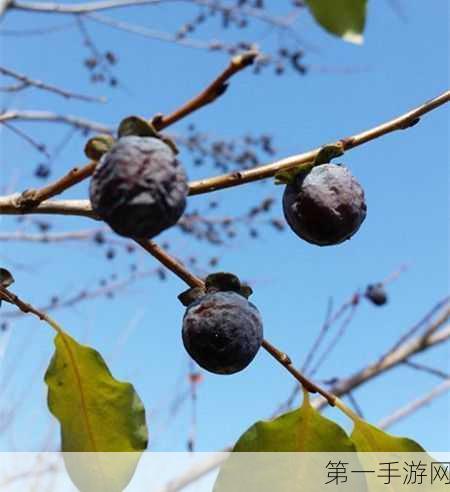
{"x":402,"y":63}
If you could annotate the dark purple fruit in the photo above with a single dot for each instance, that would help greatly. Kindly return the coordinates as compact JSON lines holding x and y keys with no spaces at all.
{"x":376,"y":294}
{"x":138,"y":187}
{"x":222,"y":332}
{"x":325,"y":206}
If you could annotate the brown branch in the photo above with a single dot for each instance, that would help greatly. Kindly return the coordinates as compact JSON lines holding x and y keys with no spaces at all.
{"x":341,"y":388}
{"x":26,"y":82}
{"x":11,"y":205}
{"x":182,"y":272}
{"x":241,"y":177}
{"x":46,"y":237}
{"x":429,"y":338}
{"x":31,"y":198}
{"x":261,"y":172}
{"x":210,"y":94}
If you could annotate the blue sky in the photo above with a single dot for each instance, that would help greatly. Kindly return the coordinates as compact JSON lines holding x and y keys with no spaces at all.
{"x":403,"y":62}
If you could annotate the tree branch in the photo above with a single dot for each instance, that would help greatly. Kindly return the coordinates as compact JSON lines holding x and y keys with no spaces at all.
{"x":210,"y":94}
{"x":261,"y":172}
{"x":26,"y":82}
{"x":415,"y":405}
{"x":224,"y":181}
{"x":341,"y":388}
{"x":431,"y":337}
{"x":32,"y":115}
{"x":85,"y":8}
{"x":193,"y":281}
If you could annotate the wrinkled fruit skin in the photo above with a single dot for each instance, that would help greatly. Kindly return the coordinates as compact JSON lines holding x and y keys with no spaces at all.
{"x":222,"y":332}
{"x":139,"y":187}
{"x":325,"y":206}
{"x":376,"y":294}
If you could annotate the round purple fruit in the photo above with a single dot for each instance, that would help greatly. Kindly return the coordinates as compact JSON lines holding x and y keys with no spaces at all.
{"x":139,"y":188}
{"x":326,"y":206}
{"x":222,"y":332}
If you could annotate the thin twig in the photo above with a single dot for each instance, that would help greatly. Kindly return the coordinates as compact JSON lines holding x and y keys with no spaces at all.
{"x":429,"y":370}
{"x":36,"y":145}
{"x":33,"y":115}
{"x":31,"y":198}
{"x":415,"y":405}
{"x":261,"y":172}
{"x":210,"y":94}
{"x":431,"y":337}
{"x":342,"y":387}
{"x":84,"y":8}
{"x":27,"y":81}
{"x":182,"y":272}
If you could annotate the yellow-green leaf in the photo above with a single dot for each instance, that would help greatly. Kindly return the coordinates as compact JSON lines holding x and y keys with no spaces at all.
{"x":281,"y":454}
{"x":302,"y":430}
{"x":97,"y":414}
{"x":97,"y":146}
{"x":343,"y":18}
{"x":368,"y":438}
{"x":377,"y":447}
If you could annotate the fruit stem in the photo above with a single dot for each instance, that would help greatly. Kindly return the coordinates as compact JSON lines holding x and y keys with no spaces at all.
{"x":307,"y":384}
{"x":8,"y":296}
{"x":193,"y":281}
{"x":171,"y":263}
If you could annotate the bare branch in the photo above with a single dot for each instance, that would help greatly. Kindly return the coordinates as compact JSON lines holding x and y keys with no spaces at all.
{"x":85,"y":8}
{"x":415,"y":405}
{"x":261,"y":172}
{"x":431,"y":337}
{"x":218,"y":182}
{"x":36,"y":145}
{"x":10,"y":205}
{"x":210,"y":94}
{"x":153,"y":33}
{"x":32,"y":115}
{"x":49,"y":237}
{"x":26,"y":82}
{"x":429,"y":370}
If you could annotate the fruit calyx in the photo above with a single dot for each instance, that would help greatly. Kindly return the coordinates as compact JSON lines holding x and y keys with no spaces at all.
{"x":216,"y":282}
{"x":129,"y":126}
{"x":324,"y":156}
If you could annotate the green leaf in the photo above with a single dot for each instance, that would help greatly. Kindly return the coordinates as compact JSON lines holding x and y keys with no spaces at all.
{"x":368,"y":438}
{"x":376,"y":446}
{"x":97,"y":146}
{"x":328,"y":152}
{"x":302,"y":430}
{"x":289,"y":176}
{"x":137,"y":126}
{"x":343,"y":18}
{"x":97,"y":414}
{"x":281,"y":454}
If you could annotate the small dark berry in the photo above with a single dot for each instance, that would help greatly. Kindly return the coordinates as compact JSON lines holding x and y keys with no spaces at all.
{"x":222,"y":332}
{"x":376,"y":294}
{"x":42,"y":171}
{"x":325,"y":206}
